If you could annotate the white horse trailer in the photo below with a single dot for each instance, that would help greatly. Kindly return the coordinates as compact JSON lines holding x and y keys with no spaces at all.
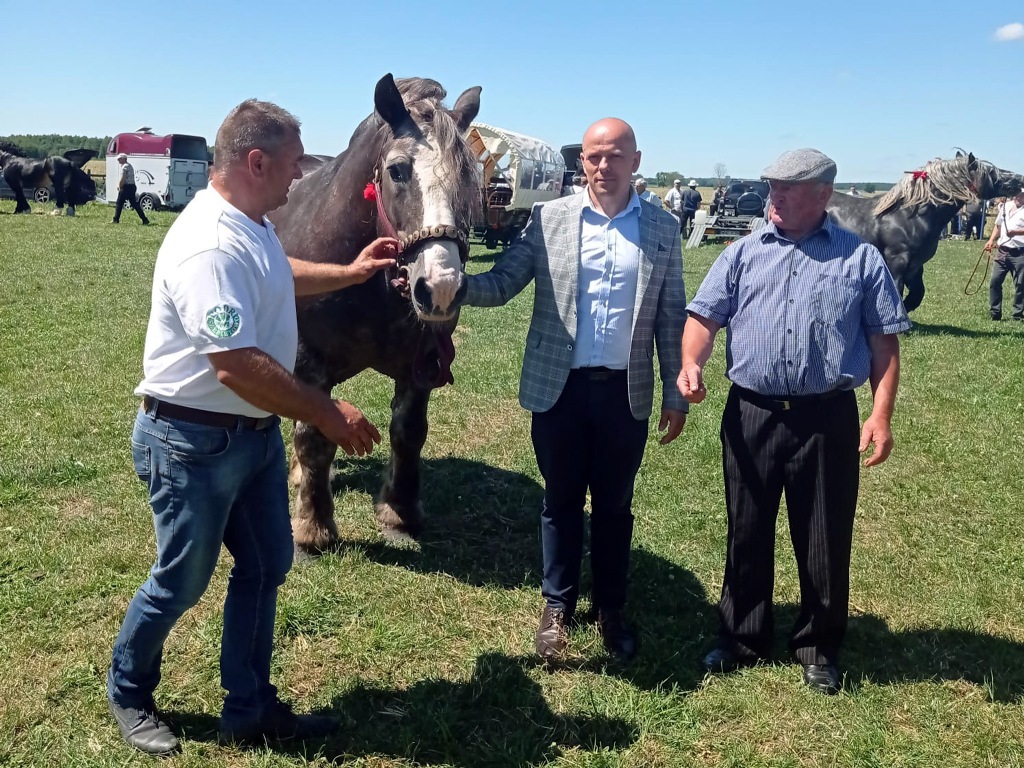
{"x":169,"y":170}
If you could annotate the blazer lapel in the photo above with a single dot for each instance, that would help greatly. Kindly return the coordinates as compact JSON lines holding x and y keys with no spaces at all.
{"x":648,"y":255}
{"x":571,"y":228}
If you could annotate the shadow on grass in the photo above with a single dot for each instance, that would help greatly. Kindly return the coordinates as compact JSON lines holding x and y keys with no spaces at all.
{"x":480,"y":523}
{"x":877,"y":653}
{"x":482,"y":527}
{"x":925,"y":329}
{"x":873,"y":652}
{"x":497,"y":718}
{"x":489,"y":257}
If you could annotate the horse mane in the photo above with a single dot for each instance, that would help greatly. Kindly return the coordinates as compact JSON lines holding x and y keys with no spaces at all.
{"x":424,"y":98}
{"x":947,"y":182}
{"x":12,"y":149}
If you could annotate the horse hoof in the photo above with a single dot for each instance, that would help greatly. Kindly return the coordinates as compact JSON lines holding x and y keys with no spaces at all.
{"x":394,"y":526}
{"x":313,"y":539}
{"x":302,"y":556}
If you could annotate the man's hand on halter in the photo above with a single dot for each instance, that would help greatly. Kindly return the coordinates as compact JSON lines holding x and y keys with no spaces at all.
{"x":382,"y":253}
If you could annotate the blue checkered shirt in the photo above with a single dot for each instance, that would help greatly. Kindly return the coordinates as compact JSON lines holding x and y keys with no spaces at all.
{"x":798,"y":314}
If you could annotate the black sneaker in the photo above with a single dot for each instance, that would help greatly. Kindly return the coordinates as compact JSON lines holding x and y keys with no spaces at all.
{"x":279,"y":723}
{"x":143,"y":728}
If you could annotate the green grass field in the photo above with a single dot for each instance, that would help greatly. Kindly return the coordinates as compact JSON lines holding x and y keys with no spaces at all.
{"x":425,"y":652}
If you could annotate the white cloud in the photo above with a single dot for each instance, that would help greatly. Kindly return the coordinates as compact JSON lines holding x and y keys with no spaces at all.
{"x":1013,"y":31}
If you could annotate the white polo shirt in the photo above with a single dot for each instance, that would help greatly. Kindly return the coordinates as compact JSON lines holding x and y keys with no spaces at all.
{"x":1010,"y":217}
{"x":221,"y":282}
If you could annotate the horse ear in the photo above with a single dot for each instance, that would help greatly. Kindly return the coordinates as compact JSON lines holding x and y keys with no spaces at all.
{"x":389,"y":105}
{"x":972,"y":161}
{"x":467,"y":107}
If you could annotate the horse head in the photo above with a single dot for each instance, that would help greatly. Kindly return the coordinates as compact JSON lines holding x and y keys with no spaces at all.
{"x":426,"y":183}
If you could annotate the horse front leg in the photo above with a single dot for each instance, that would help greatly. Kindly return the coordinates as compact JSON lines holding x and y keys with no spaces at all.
{"x":313,"y":528}
{"x":399,"y":511}
{"x":21,"y":204}
{"x":915,"y":290}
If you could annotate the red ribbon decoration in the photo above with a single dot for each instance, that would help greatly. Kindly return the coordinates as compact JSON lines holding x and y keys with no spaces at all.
{"x":370,"y":192}
{"x":920,"y":174}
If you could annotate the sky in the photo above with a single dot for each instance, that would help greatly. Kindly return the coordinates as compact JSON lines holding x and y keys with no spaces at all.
{"x":881,"y":87}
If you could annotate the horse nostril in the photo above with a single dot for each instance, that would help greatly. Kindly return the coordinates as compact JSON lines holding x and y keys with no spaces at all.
{"x":421,"y":292}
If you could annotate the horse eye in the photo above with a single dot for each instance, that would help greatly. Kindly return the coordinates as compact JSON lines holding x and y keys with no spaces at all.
{"x":400,"y":172}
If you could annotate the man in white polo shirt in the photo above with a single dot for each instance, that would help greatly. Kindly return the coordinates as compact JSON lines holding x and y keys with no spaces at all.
{"x":1008,"y":235}
{"x":219,"y":355}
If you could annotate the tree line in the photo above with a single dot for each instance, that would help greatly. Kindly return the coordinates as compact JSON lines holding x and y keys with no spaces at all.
{"x":45,"y":145}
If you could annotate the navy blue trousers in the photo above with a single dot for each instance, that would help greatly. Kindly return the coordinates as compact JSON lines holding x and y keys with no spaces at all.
{"x":588,"y":440}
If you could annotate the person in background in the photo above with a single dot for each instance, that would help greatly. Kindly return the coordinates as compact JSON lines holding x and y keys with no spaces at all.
{"x":127,"y":191}
{"x":1008,"y":239}
{"x":674,"y":201}
{"x":690,"y":205}
{"x":812,"y":313}
{"x":644,"y":194}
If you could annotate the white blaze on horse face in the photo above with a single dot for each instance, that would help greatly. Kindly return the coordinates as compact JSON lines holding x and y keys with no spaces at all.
{"x":439,"y":263}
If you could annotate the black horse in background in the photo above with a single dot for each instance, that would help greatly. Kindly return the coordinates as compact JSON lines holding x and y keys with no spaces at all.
{"x":71,"y":185}
{"x":906,"y":223}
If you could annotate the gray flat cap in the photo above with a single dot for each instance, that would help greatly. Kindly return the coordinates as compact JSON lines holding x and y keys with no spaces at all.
{"x":799,"y":165}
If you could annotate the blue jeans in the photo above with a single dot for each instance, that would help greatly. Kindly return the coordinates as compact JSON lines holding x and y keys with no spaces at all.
{"x":208,"y":486}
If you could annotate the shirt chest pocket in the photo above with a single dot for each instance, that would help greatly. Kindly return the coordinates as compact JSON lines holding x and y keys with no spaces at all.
{"x":835,"y":300}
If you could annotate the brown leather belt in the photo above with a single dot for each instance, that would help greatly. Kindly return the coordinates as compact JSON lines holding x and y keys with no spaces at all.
{"x":161,"y":408}
{"x":789,"y":403}
{"x":600,"y":372}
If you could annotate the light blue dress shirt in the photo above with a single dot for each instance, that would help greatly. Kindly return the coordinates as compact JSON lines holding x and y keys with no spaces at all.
{"x":609,"y":265}
{"x":798,"y":314}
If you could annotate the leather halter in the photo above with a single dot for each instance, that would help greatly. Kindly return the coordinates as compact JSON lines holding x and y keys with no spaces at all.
{"x":426,"y":234}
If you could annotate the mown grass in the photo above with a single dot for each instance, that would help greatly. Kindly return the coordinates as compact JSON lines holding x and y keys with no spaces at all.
{"x":424,"y":652}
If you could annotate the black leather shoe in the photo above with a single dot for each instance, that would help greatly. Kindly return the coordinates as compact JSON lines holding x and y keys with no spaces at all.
{"x":619,"y":639}
{"x":552,"y":633}
{"x":823,"y":678}
{"x":143,"y":729}
{"x":279,"y":723}
{"x":722,"y":661}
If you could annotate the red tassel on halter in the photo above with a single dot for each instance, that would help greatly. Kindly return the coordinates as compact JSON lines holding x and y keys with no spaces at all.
{"x":370,"y":192}
{"x":920,"y":174}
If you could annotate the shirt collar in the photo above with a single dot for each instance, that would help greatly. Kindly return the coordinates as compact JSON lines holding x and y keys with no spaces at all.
{"x":828,"y":229}
{"x":631,"y":206}
{"x":240,"y":218}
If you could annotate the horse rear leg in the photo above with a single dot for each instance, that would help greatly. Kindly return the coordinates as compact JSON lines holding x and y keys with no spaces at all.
{"x":399,"y":511}
{"x":313,"y":527}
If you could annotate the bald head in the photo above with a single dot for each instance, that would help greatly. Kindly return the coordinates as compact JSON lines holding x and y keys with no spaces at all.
{"x":611,"y":129}
{"x":610,"y":158}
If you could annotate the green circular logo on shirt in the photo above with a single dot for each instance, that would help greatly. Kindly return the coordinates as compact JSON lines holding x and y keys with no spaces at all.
{"x":223,"y":321}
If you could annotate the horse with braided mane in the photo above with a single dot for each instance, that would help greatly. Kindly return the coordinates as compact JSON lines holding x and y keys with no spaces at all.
{"x":906,"y":223}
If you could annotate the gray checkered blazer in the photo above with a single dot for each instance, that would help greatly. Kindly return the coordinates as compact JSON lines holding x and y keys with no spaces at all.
{"x":548,"y":252}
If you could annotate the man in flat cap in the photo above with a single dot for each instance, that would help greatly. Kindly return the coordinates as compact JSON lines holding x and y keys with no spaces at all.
{"x":812,"y":314}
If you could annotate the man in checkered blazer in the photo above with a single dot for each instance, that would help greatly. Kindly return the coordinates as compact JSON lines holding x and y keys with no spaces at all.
{"x":608,"y":286}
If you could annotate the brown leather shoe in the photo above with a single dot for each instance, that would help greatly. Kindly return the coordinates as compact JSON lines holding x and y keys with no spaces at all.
{"x":619,"y":639}
{"x":552,"y":634}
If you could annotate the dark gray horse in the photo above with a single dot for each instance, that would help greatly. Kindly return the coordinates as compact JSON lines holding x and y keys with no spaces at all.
{"x":409,"y":172}
{"x":71,"y":185}
{"x":906,"y":223}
